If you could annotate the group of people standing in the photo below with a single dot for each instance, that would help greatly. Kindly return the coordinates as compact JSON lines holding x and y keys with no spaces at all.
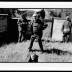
{"x":35,"y":26}
{"x":66,"y":29}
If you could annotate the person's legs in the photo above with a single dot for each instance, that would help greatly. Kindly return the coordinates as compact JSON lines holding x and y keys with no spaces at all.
{"x":20,"y":33}
{"x":64,"y":35}
{"x":40,"y":44}
{"x":23,"y":36}
{"x":68,"y":37}
{"x":31,"y":43}
{"x":19,"y":38}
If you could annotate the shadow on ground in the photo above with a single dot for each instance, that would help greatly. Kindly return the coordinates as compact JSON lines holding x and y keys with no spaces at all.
{"x":53,"y":51}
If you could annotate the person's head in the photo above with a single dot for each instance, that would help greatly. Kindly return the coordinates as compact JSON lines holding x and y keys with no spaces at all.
{"x":34,"y":56}
{"x":68,"y":18}
{"x":41,"y":14}
{"x":16,"y":11}
{"x":24,"y":17}
{"x":35,"y":16}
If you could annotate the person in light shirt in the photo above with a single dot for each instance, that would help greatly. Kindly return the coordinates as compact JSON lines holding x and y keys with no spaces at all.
{"x":66,"y":29}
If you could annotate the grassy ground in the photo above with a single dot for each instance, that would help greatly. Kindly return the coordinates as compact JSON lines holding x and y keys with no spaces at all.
{"x":14,"y":52}
{"x":53,"y":52}
{"x":57,"y":52}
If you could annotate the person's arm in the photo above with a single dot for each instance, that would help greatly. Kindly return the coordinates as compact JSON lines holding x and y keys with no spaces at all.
{"x":62,"y":28}
{"x":44,"y":25}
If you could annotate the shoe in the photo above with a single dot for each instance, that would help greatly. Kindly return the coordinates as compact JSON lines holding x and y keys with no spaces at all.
{"x":30,"y":49}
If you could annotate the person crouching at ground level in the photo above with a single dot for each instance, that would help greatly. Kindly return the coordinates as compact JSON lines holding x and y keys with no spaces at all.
{"x":37,"y":31}
{"x":33,"y":58}
{"x":66,"y":29}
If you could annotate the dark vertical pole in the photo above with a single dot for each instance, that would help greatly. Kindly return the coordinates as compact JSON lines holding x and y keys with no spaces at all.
{"x":52,"y":26}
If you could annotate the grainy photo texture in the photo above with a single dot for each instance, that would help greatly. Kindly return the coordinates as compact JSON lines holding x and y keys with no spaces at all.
{"x":35,"y":35}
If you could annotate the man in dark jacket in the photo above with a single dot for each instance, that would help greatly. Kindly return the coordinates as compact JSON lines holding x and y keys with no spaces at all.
{"x":37,"y":31}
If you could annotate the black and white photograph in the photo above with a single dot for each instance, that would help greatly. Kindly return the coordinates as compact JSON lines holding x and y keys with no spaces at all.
{"x":34,"y":35}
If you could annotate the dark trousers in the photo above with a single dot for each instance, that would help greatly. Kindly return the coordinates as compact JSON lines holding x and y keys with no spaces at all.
{"x":39,"y":41}
{"x":66,"y":37}
{"x":21,"y":36}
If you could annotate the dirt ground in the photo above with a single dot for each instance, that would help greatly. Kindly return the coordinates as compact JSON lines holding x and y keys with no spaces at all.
{"x":53,"y":52}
